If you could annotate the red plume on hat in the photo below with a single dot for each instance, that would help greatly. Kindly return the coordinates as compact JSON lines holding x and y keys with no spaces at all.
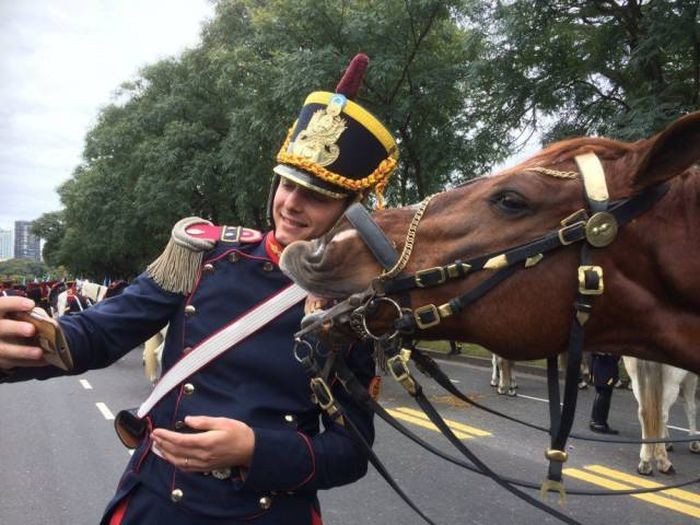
{"x":349,"y":85}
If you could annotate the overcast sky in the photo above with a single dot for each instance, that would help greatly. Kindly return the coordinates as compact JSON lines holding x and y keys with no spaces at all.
{"x":60,"y":62}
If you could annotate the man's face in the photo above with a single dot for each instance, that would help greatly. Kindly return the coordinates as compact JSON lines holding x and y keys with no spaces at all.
{"x":301,"y":214}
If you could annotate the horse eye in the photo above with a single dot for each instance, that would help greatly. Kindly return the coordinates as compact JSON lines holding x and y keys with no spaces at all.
{"x":510,"y":202}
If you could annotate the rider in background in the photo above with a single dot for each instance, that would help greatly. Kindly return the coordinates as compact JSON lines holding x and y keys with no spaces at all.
{"x":239,"y":440}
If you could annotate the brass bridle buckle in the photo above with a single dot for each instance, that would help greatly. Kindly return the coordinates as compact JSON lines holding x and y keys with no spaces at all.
{"x":584,"y":273}
{"x":398,"y":368}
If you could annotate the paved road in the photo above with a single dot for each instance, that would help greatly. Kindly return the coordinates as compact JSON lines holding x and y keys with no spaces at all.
{"x":60,"y":459}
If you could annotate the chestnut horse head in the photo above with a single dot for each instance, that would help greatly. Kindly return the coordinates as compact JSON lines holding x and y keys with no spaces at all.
{"x":650,"y":302}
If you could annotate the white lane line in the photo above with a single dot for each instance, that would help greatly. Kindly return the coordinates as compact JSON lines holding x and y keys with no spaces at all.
{"x":106,"y":412}
{"x":86,"y":384}
{"x":533,"y":398}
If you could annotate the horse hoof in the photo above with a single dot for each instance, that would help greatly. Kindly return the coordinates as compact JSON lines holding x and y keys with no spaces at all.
{"x":500,"y":391}
{"x":512,"y":392}
{"x":493,"y":384}
{"x":645,"y":469}
{"x":694,"y":447}
{"x":668,"y":471}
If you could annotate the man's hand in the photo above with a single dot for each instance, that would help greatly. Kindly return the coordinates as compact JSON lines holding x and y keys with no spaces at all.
{"x":16,"y":346}
{"x":220,"y":443}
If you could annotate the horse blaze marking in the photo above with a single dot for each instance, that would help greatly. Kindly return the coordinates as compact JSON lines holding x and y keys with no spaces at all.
{"x":655,"y":498}
{"x":417,"y":417}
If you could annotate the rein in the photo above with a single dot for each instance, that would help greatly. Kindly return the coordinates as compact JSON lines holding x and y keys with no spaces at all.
{"x":597,"y":225}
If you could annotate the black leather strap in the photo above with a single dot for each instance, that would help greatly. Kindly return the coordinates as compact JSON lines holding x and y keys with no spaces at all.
{"x":373,"y":235}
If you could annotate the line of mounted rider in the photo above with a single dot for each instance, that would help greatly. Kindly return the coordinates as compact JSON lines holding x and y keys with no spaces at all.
{"x":62,"y":297}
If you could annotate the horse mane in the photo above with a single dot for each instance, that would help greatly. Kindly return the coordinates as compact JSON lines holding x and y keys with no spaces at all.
{"x":564,"y":151}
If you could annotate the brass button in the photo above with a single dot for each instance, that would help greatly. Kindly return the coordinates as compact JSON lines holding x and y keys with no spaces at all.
{"x":208,"y":268}
{"x":187,"y":350}
{"x":190,"y":310}
{"x":188,"y":389}
{"x":179,"y":424}
{"x":221,"y":473}
{"x":268,"y":266}
{"x":289,"y":418}
{"x":176,"y":495}
{"x":265,"y":502}
{"x":233,"y":257}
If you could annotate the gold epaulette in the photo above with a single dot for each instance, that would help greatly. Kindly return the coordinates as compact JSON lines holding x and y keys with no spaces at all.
{"x":176,"y":269}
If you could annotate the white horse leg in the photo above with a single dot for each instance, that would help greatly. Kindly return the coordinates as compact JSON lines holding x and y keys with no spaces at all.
{"x":509,"y":377}
{"x":688,"y":389}
{"x":671,"y":381}
{"x":646,"y":451}
{"x":494,"y":370}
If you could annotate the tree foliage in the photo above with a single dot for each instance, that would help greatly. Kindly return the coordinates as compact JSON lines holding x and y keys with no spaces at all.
{"x":619,"y":68}
{"x":21,"y":270}
{"x":458,"y":82}
{"x":51,"y":228}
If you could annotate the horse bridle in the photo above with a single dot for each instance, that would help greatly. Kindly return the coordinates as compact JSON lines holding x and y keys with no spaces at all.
{"x":597,"y":225}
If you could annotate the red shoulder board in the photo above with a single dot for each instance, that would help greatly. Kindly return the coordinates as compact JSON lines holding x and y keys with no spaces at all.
{"x":223,"y":233}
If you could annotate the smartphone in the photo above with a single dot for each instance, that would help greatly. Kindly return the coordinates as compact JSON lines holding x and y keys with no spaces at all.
{"x":49,"y":337}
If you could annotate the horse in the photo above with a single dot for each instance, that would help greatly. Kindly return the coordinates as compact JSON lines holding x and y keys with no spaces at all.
{"x":82,"y":294}
{"x":589,"y":230}
{"x":503,"y":375}
{"x":71,"y":300}
{"x":656,"y":387}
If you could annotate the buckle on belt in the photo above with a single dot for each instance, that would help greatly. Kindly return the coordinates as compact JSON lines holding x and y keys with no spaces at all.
{"x":430,"y":277}
{"x":590,"y":280}
{"x":426,"y":316}
{"x":562,"y":232}
{"x":399,"y":370}
{"x":323,"y":396}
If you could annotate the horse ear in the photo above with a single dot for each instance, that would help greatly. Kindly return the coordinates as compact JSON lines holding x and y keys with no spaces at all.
{"x":671,"y":152}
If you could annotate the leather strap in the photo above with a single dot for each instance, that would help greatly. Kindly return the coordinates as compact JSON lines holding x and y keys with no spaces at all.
{"x":206,"y":351}
{"x":372,"y":234}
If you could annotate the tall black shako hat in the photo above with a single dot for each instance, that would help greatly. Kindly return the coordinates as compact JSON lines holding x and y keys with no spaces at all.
{"x":336,"y":147}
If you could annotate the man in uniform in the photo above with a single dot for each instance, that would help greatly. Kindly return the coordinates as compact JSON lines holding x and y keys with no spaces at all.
{"x":237,"y":440}
{"x":605,"y":373}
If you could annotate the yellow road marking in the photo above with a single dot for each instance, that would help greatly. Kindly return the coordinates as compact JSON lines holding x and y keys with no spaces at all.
{"x":423,"y":423}
{"x":455,"y":425}
{"x":654,"y":498}
{"x":685,"y":495}
{"x":418,"y":418}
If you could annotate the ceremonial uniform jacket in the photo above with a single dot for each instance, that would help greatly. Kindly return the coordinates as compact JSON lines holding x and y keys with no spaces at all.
{"x":258,"y":381}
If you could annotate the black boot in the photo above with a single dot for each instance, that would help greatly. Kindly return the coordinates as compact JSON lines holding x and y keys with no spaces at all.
{"x":599,"y":414}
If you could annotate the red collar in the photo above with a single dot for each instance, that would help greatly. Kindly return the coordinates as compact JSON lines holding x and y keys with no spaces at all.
{"x":273,"y":247}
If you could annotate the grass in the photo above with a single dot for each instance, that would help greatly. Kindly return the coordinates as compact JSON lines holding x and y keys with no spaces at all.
{"x":470,"y":350}
{"x":479,"y":351}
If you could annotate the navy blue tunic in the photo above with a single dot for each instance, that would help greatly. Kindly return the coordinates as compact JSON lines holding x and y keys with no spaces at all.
{"x":258,"y":381}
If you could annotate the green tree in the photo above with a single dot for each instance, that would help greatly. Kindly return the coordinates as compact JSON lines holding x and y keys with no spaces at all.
{"x":50,"y":227}
{"x":20,"y":270}
{"x":198,"y":135}
{"x":618,"y":68}
{"x":460,"y":83}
